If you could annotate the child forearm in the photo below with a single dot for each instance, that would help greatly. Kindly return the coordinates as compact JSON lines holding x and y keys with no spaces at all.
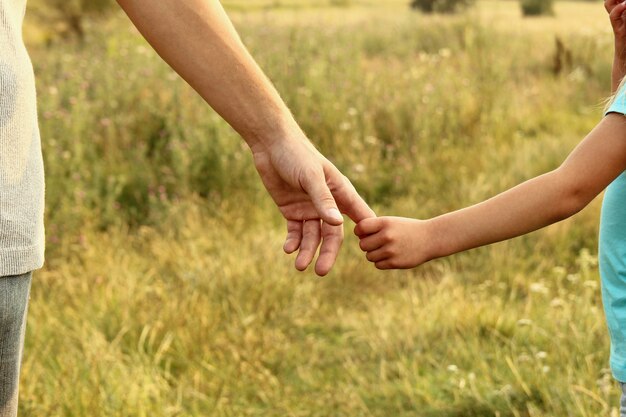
{"x":525,"y":208}
{"x":544,"y":200}
{"x":395,"y":242}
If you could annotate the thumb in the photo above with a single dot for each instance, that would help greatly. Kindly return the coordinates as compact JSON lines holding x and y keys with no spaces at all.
{"x":317,"y":189}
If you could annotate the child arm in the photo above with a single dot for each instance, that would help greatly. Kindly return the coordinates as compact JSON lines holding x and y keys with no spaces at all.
{"x":393,"y":242}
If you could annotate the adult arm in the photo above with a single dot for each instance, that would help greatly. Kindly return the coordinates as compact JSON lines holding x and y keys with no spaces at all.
{"x":196,"y":38}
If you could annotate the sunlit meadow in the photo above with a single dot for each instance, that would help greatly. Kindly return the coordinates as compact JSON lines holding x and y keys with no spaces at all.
{"x":166,"y":292}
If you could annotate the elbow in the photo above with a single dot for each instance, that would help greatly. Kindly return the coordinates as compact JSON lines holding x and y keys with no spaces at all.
{"x":568,"y":206}
{"x":573,"y":196}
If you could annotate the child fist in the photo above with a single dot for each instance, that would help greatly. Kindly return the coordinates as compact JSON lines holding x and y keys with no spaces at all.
{"x":395,"y":242}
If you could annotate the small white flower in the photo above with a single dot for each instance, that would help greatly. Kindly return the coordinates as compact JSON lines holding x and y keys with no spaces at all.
{"x":453,"y":368}
{"x":445,"y":53}
{"x":304,"y":91}
{"x":541,"y":355}
{"x":557,"y":302}
{"x":578,"y":75}
{"x":506,"y":389}
{"x":573,"y":278}
{"x":345,"y":126}
{"x":591,"y":284}
{"x":538,"y":287}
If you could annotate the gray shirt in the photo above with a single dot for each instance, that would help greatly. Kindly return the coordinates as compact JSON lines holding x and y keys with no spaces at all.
{"x":22,"y":186}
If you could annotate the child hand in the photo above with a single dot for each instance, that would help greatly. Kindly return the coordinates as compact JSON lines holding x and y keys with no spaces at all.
{"x":395,"y":242}
{"x":617,"y":14}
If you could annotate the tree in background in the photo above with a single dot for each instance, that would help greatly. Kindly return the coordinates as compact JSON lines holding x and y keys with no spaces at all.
{"x":441,"y":6}
{"x":69,"y":15}
{"x":537,"y":7}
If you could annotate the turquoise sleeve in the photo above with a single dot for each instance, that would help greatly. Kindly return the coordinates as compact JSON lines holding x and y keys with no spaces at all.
{"x":619,"y":103}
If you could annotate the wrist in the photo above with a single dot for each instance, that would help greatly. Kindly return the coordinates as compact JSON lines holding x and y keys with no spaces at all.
{"x":435,"y":237}
{"x":276,"y":132}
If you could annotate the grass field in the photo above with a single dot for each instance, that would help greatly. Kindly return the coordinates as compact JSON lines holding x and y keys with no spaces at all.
{"x":166,"y":293}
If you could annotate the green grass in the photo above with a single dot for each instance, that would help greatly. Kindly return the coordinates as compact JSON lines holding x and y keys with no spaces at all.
{"x":165,"y":291}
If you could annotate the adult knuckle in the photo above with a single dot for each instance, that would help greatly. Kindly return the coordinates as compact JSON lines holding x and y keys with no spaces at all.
{"x":311,"y":175}
{"x":346,"y":188}
{"x":327,"y":199}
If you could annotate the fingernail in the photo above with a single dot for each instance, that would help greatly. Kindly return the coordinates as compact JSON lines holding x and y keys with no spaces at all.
{"x":335,"y":214}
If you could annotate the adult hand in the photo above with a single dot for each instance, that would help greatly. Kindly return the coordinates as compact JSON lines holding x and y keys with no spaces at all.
{"x":311,"y":194}
{"x":200,"y":43}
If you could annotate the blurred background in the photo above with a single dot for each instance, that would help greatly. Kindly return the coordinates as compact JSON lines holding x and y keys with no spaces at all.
{"x":166,"y":293}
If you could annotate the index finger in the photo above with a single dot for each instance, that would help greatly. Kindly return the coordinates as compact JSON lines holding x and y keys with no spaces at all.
{"x":350,"y":202}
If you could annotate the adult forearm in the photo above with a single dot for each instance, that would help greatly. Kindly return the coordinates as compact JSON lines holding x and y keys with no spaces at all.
{"x":525,"y":208}
{"x":196,"y":38}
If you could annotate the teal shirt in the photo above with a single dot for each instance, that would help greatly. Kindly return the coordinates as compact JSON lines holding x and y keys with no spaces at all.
{"x":612,"y":260}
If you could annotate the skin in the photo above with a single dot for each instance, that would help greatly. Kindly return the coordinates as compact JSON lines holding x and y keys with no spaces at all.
{"x":616,"y":10}
{"x":394,"y":242}
{"x":197,"y":39}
